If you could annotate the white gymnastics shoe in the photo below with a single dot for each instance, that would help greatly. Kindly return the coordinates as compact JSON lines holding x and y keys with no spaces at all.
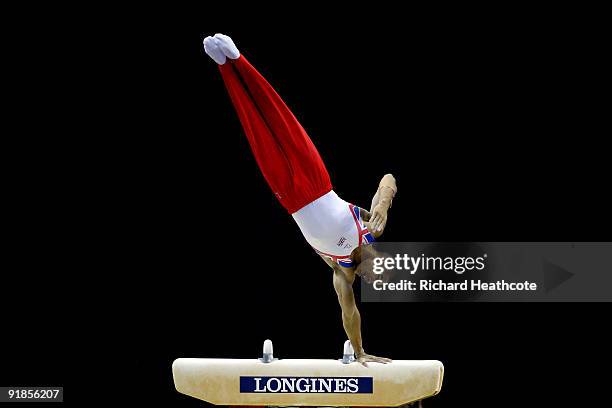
{"x":211,"y":46}
{"x":227,"y":46}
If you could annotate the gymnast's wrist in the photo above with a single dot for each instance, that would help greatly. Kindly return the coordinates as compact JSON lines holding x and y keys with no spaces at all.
{"x":386,"y":202}
{"x":389,"y":188}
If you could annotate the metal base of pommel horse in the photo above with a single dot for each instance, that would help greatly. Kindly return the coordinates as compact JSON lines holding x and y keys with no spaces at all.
{"x":268,"y":381}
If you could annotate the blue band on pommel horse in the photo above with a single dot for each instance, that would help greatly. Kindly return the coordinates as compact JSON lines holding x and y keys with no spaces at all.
{"x":290,"y":382}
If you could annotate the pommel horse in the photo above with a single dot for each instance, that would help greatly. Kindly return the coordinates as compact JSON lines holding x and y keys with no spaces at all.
{"x":269,"y":381}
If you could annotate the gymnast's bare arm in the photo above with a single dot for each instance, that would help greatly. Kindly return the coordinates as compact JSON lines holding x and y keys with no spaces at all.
{"x":376,"y":218}
{"x":351,"y":319}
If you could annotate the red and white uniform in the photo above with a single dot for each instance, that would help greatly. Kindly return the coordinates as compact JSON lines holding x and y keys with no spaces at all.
{"x":291,"y":164}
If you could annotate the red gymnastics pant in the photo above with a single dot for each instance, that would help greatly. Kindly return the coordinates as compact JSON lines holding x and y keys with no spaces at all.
{"x":285,"y":154}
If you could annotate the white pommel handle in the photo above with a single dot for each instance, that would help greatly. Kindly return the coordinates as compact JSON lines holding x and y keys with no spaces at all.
{"x":268,"y":352}
{"x":267,"y":349}
{"x":348,"y":355}
{"x":348,"y":348}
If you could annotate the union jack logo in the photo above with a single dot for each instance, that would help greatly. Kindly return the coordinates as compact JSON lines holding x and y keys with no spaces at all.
{"x":365,"y":237}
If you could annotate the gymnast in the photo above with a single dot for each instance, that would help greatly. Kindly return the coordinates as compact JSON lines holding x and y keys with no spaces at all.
{"x":337,"y":230}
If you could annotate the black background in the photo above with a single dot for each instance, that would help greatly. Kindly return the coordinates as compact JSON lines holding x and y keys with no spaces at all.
{"x":145,"y":232}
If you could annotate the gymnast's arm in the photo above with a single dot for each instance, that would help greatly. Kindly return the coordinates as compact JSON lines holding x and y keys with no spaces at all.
{"x":351,"y":319}
{"x":380,"y":205}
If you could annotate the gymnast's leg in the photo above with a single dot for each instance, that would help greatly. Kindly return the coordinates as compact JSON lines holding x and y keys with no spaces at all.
{"x":283,"y":150}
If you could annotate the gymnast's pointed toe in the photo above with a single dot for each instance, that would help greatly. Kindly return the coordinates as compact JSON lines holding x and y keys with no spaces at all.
{"x":211,"y":47}
{"x":227,"y":46}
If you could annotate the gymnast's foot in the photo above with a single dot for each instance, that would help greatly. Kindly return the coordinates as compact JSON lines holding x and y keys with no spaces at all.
{"x":227,"y":46}
{"x":213,"y":50}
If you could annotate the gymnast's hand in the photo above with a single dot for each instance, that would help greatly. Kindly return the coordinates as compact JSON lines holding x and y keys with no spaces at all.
{"x":364,"y":358}
{"x":378,"y":218}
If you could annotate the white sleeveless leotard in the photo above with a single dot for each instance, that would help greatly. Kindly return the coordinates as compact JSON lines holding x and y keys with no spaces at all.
{"x":333,"y":227}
